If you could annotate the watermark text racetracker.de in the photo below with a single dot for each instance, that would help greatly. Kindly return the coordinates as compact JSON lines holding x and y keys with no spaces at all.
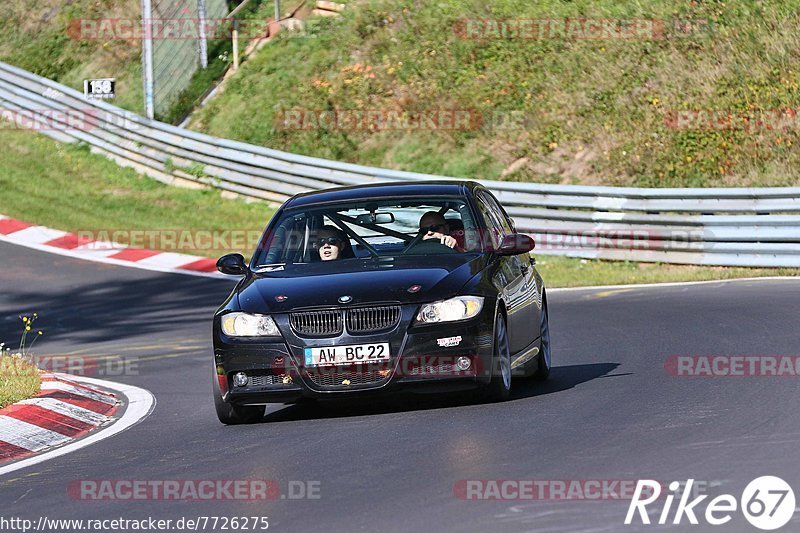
{"x":176,"y":240}
{"x":61,"y":119}
{"x":243,"y":490}
{"x":561,"y":239}
{"x":168,"y":29}
{"x":392,"y":119}
{"x":751,"y":121}
{"x":76,"y":365}
{"x":104,"y":525}
{"x":552,"y":489}
{"x":716,"y":366}
{"x":580,"y":28}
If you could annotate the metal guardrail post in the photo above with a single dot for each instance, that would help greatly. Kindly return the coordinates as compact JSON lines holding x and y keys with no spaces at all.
{"x":201,"y":16}
{"x":147,"y":58}
{"x":277,"y":10}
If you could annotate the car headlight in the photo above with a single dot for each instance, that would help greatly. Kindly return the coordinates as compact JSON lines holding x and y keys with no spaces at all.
{"x":458,"y":308}
{"x":246,"y":325}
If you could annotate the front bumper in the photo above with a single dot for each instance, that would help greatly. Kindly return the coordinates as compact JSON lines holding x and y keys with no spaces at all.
{"x":422,"y":359}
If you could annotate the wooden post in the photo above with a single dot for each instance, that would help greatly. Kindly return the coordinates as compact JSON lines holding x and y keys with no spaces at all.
{"x":235,"y":36}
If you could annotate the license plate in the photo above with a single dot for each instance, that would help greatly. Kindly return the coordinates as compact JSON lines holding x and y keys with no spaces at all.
{"x":344,"y":355}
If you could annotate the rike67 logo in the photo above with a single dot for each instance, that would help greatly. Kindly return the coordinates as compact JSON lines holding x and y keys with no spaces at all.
{"x":767,"y":503}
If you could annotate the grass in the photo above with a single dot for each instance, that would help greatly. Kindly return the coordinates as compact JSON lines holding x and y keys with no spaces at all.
{"x":66,"y":187}
{"x":595,"y":112}
{"x":19,"y":380}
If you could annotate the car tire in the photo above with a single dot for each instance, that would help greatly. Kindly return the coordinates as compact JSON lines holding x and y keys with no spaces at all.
{"x":499,"y":388}
{"x":544,"y":361}
{"x":230,"y":414}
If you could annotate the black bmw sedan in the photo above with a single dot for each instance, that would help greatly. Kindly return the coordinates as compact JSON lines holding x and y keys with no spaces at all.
{"x":421,"y":286}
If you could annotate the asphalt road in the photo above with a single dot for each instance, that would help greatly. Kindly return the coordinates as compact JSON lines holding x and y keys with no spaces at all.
{"x":609,"y":412}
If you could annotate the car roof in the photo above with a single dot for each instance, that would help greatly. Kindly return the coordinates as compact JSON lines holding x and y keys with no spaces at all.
{"x":384,"y":190}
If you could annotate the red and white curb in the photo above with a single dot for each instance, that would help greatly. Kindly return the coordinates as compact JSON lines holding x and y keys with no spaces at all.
{"x":63,"y":410}
{"x":64,"y":243}
{"x":69,"y":413}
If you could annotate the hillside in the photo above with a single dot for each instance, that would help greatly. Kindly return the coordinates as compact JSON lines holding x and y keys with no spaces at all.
{"x":687,"y":99}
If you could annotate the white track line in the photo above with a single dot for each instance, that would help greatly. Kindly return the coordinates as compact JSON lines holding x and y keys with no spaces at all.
{"x":140,"y":403}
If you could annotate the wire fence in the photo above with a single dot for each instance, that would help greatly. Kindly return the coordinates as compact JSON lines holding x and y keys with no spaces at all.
{"x":175,"y":60}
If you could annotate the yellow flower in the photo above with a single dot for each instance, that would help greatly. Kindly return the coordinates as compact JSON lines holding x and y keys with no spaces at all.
{"x":24,"y":319}
{"x":41,"y":332}
{"x":27,"y":328}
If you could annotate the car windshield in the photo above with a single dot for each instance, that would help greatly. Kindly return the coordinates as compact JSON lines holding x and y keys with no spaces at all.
{"x":374,"y":228}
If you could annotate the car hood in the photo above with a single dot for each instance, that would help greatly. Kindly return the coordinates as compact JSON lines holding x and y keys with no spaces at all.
{"x":363,"y":280}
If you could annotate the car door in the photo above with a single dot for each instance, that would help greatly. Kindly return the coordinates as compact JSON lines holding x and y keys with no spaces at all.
{"x":528,"y":297}
{"x":509,"y":277}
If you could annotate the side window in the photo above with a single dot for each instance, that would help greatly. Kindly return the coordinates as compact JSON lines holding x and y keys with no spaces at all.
{"x":493,"y":224}
{"x":505,"y":220}
{"x":500,"y":213}
{"x":290,"y":243}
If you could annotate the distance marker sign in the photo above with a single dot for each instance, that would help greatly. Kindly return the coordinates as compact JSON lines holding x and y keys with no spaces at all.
{"x":99,"y":88}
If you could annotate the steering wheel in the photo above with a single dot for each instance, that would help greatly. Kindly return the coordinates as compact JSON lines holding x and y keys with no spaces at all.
{"x":413,"y":242}
{"x":434,"y":245}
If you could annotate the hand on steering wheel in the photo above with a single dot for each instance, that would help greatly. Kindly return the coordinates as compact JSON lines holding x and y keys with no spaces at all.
{"x":445,"y":240}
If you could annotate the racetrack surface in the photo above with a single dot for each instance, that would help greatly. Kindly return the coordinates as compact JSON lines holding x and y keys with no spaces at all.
{"x":609,"y":412}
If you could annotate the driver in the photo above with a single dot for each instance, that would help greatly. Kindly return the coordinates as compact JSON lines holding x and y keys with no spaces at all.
{"x":330,"y":243}
{"x":435,"y":226}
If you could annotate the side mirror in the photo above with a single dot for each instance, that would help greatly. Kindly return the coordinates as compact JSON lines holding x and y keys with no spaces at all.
{"x":516,"y":243}
{"x":232,"y":264}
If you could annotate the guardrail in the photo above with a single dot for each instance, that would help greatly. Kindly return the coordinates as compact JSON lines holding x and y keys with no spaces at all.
{"x":714,"y":226}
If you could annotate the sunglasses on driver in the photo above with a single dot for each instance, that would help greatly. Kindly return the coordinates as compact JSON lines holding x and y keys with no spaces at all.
{"x":333,"y":241}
